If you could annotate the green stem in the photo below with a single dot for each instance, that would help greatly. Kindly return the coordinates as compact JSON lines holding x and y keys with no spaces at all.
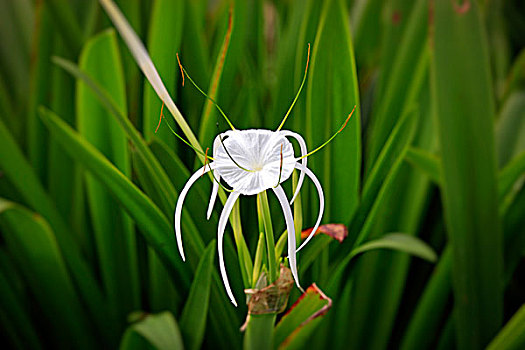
{"x":245,"y":261}
{"x":264,"y":209}
{"x":260,"y":332}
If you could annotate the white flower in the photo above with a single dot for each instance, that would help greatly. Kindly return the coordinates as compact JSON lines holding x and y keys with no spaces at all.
{"x":249,"y":161}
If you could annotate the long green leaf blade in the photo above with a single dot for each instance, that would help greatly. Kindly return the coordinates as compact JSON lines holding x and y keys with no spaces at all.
{"x":160,"y":331}
{"x":465,"y":111}
{"x":32,"y":243}
{"x":113,"y":229}
{"x":193,"y":318}
{"x":333,"y":65}
{"x":164,"y":38}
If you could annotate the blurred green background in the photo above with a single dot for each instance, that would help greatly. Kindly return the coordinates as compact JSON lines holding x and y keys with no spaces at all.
{"x":435,"y":150}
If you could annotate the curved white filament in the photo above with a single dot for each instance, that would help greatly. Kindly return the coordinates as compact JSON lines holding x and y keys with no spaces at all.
{"x":321,"y":201}
{"x":304,"y":151}
{"x":180,"y":201}
{"x":228,"y":206}
{"x":287,"y":210}
{"x":215,"y":188}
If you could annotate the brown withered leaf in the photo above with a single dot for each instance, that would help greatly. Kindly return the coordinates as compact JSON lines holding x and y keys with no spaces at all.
{"x":270,"y":298}
{"x":336,"y":231}
{"x":302,"y":318}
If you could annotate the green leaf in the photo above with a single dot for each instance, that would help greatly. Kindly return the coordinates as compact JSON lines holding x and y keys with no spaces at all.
{"x":382,"y":178}
{"x":299,"y":323}
{"x":68,"y":24}
{"x":259,"y":332}
{"x":512,"y":336}
{"x":195,"y":58}
{"x":113,"y":229}
{"x":152,"y":223}
{"x":332,"y":93}
{"x":33,"y":245}
{"x":401,"y":242}
{"x":427,"y":162}
{"x":194,"y":315}
{"x":178,"y":174}
{"x":21,"y":175}
{"x":388,"y":161}
{"x":13,"y":308}
{"x":158,"y":175}
{"x":510,"y":174}
{"x":465,"y":111}
{"x":427,"y":317}
{"x":510,"y":128}
{"x":159,"y":330}
{"x":405,"y":39}
{"x":312,"y":251}
{"x":207,"y":122}
{"x":39,"y":92}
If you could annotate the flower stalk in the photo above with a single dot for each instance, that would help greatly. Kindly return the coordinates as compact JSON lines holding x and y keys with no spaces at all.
{"x":260,"y":332}
{"x":264,"y":213}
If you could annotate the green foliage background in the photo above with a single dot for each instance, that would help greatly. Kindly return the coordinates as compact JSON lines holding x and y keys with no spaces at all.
{"x":435,"y":150}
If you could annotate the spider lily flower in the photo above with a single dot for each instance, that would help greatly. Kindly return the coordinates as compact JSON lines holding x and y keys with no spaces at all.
{"x":249,"y":161}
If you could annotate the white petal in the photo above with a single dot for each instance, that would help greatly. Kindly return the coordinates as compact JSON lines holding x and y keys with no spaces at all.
{"x":180,"y":201}
{"x":304,"y":152}
{"x":141,"y":55}
{"x":215,"y":188}
{"x":258,"y":161}
{"x":287,"y":210}
{"x":228,"y":206}
{"x":214,"y":191}
{"x":321,"y":201}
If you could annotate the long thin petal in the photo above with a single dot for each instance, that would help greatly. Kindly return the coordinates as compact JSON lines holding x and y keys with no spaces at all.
{"x":288,"y":216}
{"x":215,"y":188}
{"x":214,"y":191}
{"x":304,"y":151}
{"x":228,"y":206}
{"x":140,"y":53}
{"x":180,"y":201}
{"x":321,"y":201}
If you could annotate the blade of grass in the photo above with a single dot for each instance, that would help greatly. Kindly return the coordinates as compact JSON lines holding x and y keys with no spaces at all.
{"x":401,"y":242}
{"x":152,"y":223}
{"x":393,"y":154}
{"x":194,"y":47}
{"x":207,"y":126}
{"x":32,"y":243}
{"x":427,"y":162}
{"x":465,"y":110}
{"x":512,"y":336}
{"x":164,"y":39}
{"x":160,"y":331}
{"x":113,"y":229}
{"x":17,"y":169}
{"x":425,"y":321}
{"x":193,"y":318}
{"x":40,"y":75}
{"x":333,"y":65}
{"x":396,"y":73}
{"x":396,"y":145}
{"x":150,"y":220}
{"x":12,"y":306}
{"x":65,"y":19}
{"x":510,"y":127}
